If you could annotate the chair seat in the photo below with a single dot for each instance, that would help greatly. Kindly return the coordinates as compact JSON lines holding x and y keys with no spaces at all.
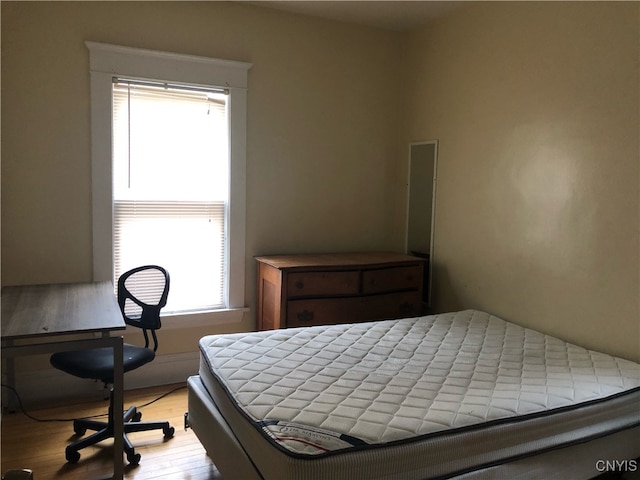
{"x":97,"y":363}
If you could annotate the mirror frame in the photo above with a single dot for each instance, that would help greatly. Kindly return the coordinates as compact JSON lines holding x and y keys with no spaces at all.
{"x":433,"y":212}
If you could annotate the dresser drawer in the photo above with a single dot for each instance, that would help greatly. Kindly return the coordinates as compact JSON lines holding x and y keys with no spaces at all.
{"x":329,"y":311}
{"x":391,"y":306}
{"x":323,"y":311}
{"x":391,"y":279}
{"x":323,"y":284}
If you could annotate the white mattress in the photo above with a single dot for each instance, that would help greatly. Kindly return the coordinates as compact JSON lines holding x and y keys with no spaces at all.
{"x":429,"y":397}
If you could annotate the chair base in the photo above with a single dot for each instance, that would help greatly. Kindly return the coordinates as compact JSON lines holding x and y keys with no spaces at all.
{"x":104,"y":430}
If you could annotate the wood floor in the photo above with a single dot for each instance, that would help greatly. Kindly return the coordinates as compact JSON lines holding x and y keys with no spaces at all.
{"x":39,"y":446}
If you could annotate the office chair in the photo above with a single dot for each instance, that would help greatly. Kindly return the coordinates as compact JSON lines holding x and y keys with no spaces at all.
{"x":141,"y":310}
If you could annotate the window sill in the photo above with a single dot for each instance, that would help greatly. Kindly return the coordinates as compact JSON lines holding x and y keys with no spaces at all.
{"x":203,"y":319}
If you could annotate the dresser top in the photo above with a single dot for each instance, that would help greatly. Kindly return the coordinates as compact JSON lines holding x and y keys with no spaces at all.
{"x":355,"y":259}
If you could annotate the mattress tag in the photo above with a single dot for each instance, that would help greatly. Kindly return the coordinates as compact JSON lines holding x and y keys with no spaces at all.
{"x":306,"y":439}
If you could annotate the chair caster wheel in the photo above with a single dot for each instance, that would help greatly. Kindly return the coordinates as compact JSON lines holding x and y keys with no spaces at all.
{"x":79,"y":429}
{"x":168,"y":432}
{"x":72,"y":456}
{"x":137,"y":417}
{"x":133,"y":458}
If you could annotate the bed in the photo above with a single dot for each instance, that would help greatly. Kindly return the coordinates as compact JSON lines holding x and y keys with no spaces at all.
{"x":456,"y":395}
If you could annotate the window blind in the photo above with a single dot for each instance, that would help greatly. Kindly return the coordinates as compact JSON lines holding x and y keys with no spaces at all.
{"x":170,"y":172}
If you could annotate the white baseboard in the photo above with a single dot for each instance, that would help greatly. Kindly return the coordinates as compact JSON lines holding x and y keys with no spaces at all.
{"x":50,"y":384}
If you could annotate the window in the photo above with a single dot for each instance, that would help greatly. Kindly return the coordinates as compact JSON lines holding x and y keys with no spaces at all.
{"x":170,"y":187}
{"x":211,"y":212}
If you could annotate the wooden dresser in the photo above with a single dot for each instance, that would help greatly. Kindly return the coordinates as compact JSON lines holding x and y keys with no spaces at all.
{"x":324,"y":289}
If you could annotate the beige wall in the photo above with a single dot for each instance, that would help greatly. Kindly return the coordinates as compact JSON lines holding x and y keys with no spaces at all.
{"x":320,"y":142}
{"x":535,"y":106}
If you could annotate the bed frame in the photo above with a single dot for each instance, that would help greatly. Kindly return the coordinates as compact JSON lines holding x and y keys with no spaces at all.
{"x":582,"y":457}
{"x":582,"y":461}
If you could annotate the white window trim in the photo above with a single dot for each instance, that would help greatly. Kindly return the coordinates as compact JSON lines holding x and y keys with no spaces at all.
{"x":107,"y":61}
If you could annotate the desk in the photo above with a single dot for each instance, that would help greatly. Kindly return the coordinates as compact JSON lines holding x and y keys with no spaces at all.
{"x":39,"y":316}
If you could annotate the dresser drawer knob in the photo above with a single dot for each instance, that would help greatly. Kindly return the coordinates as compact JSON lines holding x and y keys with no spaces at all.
{"x":305,"y":316}
{"x":299,"y":284}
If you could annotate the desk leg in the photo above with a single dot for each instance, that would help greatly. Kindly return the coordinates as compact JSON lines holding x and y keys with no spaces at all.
{"x":118,"y":406}
{"x":116,"y":343}
{"x":9,"y":400}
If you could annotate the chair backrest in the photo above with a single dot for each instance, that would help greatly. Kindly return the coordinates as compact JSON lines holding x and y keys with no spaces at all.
{"x":142,"y":293}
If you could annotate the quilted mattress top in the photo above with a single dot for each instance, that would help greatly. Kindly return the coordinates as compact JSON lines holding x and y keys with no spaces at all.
{"x":322,"y":389}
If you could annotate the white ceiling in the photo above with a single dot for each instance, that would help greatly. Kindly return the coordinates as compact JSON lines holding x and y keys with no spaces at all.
{"x":396,"y":15}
